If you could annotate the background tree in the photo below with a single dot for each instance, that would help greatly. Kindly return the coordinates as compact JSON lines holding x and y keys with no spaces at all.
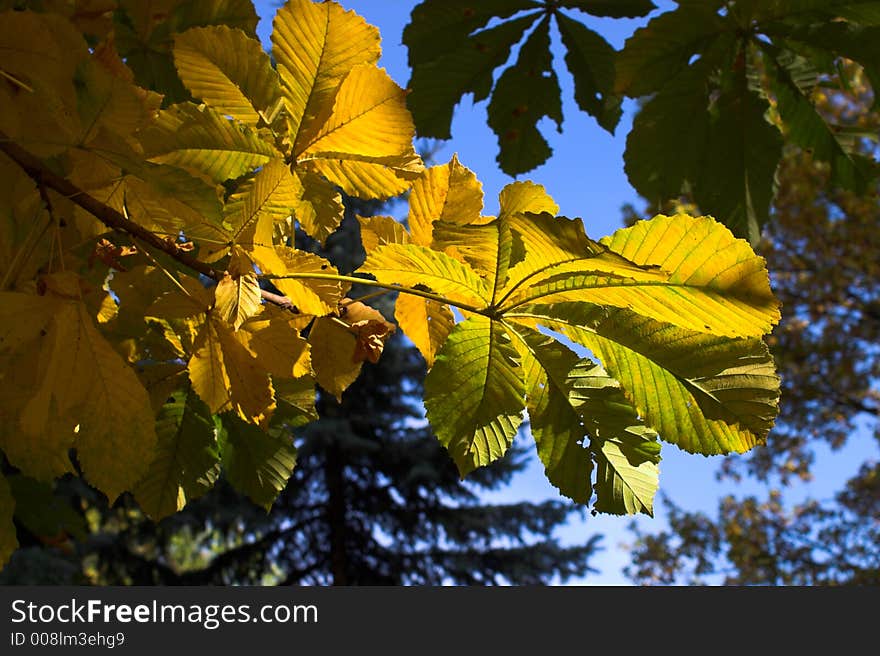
{"x":822,"y":249}
{"x":706,"y":73}
{"x":373,"y":500}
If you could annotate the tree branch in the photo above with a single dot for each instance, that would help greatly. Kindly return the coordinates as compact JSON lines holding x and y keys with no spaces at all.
{"x":111,"y":218}
{"x":858,"y":405}
{"x":46,"y":178}
{"x":43,"y":176}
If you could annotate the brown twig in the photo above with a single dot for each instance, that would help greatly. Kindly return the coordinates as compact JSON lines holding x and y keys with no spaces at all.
{"x":44,"y":177}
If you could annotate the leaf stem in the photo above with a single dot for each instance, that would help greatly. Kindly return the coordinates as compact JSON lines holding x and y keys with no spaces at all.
{"x":375,"y":283}
{"x":371,"y":296}
{"x":534,"y":273}
{"x":16,"y":81}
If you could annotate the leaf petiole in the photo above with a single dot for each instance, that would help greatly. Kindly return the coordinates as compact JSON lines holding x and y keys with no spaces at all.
{"x":486,"y":312}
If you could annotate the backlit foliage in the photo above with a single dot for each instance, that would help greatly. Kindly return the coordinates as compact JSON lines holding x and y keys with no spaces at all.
{"x":158,"y":328}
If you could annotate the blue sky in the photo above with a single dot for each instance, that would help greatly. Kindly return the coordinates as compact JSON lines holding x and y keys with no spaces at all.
{"x":586,"y":178}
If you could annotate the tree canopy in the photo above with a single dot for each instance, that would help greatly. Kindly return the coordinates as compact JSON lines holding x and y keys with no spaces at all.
{"x":710,"y":74}
{"x":159,"y":328}
{"x":822,"y":249}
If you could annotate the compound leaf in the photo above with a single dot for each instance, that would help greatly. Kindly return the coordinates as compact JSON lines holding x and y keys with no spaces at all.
{"x":524,"y":94}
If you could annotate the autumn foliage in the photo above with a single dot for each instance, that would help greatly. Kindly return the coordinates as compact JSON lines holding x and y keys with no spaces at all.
{"x":159,"y":328}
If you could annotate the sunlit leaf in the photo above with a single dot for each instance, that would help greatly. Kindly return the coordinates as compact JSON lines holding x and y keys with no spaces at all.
{"x":273,"y":337}
{"x":554,"y":420}
{"x":725,"y":401}
{"x":519,"y":197}
{"x":427,"y":323}
{"x":365,"y":143}
{"x":380,"y":230}
{"x":320,"y":210}
{"x":237,"y":295}
{"x":413,"y":265}
{"x":474,"y":394}
{"x":625,"y":449}
{"x":227,"y":69}
{"x":448,"y":192}
{"x":310,"y":295}
{"x":315,"y":46}
{"x":627,"y":476}
{"x":368,"y":119}
{"x":543,"y":241}
{"x":368,"y":177}
{"x":715,"y":284}
{"x":251,"y":212}
{"x":203,"y":141}
{"x":485,"y":248}
{"x":227,"y":376}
